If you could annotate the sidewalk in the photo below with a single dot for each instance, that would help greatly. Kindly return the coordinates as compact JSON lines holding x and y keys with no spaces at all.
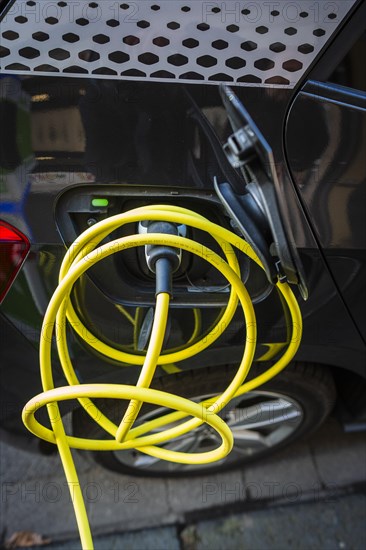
{"x":298,"y":527}
{"x":182,"y":513}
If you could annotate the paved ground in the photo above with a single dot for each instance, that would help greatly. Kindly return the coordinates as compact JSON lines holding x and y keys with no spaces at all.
{"x":296,"y":527}
{"x":290,"y":501}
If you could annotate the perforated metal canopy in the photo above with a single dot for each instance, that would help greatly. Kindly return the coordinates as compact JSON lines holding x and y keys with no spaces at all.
{"x":257,"y":43}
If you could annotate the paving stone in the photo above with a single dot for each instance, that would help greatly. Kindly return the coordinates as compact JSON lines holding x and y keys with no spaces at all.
{"x":163,"y":538}
{"x":288,"y":474}
{"x":186,"y":495}
{"x":40,"y":505}
{"x":112,"y":501}
{"x":128,"y":502}
{"x":153,"y":539}
{"x":299,"y":527}
{"x":340,"y":457}
{"x":19,"y":465}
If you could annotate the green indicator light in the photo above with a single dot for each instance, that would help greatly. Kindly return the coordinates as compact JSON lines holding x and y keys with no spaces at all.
{"x":100,"y":202}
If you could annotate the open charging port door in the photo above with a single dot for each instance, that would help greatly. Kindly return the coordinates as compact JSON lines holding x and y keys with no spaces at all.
{"x":251,"y":201}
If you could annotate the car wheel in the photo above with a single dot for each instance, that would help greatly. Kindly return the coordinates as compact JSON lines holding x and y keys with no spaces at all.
{"x":281,"y":411}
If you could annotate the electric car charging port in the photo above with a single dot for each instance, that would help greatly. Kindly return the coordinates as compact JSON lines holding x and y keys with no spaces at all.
{"x":124,"y":277}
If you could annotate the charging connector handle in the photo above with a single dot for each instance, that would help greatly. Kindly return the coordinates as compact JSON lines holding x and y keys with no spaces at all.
{"x":161,"y":259}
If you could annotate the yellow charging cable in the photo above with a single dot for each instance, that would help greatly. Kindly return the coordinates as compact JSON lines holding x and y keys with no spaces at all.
{"x":83,"y":254}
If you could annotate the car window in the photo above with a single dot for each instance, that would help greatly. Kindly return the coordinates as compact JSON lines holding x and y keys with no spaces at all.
{"x":351,"y":70}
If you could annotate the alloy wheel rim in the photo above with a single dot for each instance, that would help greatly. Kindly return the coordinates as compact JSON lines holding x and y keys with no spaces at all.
{"x":259,"y":420}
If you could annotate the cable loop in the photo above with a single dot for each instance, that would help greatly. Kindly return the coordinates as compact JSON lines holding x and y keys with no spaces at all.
{"x":83,"y":254}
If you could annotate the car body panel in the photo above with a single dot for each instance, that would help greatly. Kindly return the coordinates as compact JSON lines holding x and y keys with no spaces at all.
{"x":107,"y":131}
{"x":329,"y":173}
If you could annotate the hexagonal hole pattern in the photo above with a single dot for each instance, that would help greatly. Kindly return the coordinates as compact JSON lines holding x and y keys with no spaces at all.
{"x":173,"y":25}
{"x":178,"y":60}
{"x":221,"y":77}
{"x":161,"y":41}
{"x":10,"y":35}
{"x":51,"y":20}
{"x":191,"y":75}
{"x":162,"y":74}
{"x":305,"y":48}
{"x":45,"y":68}
{"x":148,"y":58}
{"x":206,"y":61}
{"x":264,"y":64}
{"x":111,"y":23}
{"x":15,"y":66}
{"x":209,"y":43}
{"x":105,"y":70}
{"x":83,"y":22}
{"x":75,"y":69}
{"x":70,"y":37}
{"x":59,"y":54}
{"x":190,"y":43}
{"x":277,"y":80}
{"x":290,"y":31}
{"x":277,"y":47}
{"x":292,"y":65}
{"x":40,"y":36}
{"x":133,"y":72}
{"x":29,"y":53}
{"x":250,"y":79}
{"x":118,"y":57}
{"x":131,"y":40}
{"x":232,"y":28}
{"x":101,"y":38}
{"x":319,"y":32}
{"x":89,"y":55}
{"x":235,"y":63}
{"x":4,"y":51}
{"x":248,"y":46}
{"x":220,"y":44}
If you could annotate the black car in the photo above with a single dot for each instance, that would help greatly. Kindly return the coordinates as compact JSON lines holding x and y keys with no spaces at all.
{"x":249,"y":114}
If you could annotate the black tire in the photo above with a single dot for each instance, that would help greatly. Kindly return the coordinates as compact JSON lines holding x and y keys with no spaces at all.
{"x":307,"y":389}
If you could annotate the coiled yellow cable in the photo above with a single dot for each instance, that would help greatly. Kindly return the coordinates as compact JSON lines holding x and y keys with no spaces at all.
{"x":84,"y":253}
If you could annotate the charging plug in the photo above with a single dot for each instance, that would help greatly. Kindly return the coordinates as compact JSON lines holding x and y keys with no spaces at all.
{"x":161,"y":259}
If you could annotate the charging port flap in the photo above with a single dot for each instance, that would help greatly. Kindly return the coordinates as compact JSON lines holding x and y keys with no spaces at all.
{"x":253,"y":207}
